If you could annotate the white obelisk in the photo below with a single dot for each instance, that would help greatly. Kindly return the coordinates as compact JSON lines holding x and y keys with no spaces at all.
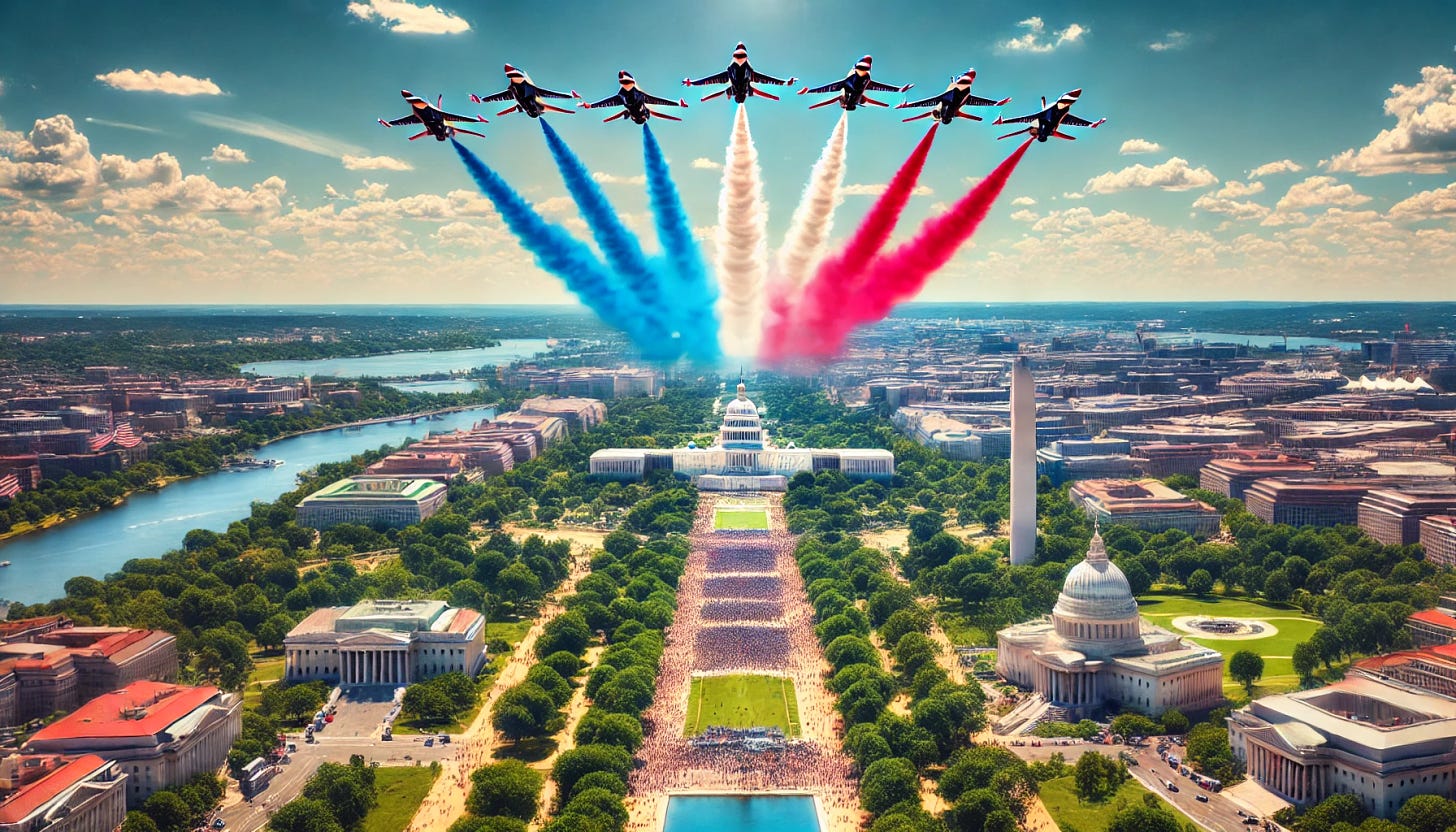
{"x":1023,"y":464}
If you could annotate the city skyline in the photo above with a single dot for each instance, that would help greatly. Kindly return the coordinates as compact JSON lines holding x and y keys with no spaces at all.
{"x":232,"y":155}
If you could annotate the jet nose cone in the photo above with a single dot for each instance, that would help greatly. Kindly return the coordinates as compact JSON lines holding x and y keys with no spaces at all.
{"x":1075,"y":93}
{"x":406,"y":94}
{"x":741,"y":45}
{"x":510,"y":68}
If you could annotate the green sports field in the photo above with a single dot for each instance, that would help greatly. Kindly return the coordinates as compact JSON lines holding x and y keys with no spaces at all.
{"x":752,"y":519}
{"x":1291,"y":622}
{"x":747,"y":700}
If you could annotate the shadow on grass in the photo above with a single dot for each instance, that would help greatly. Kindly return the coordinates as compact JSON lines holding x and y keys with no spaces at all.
{"x":532,"y":750}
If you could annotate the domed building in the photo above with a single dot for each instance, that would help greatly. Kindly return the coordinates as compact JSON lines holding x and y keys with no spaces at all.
{"x":742,"y":458}
{"x":1095,"y":652}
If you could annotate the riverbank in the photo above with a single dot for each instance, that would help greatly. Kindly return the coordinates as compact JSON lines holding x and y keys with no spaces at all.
{"x":381,"y":420}
{"x":51,"y":521}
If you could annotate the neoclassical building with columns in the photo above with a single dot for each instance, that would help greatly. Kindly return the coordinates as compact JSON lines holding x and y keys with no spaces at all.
{"x":1095,"y":653}
{"x":385,"y":642}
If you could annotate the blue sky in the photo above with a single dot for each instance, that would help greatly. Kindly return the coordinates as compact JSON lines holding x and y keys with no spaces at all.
{"x":124,"y":126}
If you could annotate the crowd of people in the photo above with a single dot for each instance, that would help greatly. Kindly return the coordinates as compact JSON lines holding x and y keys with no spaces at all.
{"x":733,"y":609}
{"x":755,"y":587}
{"x":742,"y":608}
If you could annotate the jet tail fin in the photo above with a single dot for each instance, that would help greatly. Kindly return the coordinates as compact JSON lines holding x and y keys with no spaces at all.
{"x":969,"y":116}
{"x":917,"y":118}
{"x":718,"y":94}
{"x":1017,"y":133}
{"x":866,"y":99}
{"x":1059,"y":134}
{"x":825,"y":103}
{"x":615,"y":117}
{"x":557,"y":109}
{"x":663,"y":115}
{"x":469,"y":132}
{"x":761,"y":94}
{"x":419,"y":135}
{"x":515,"y":108}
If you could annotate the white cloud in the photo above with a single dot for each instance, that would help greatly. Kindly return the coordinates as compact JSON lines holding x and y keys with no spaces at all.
{"x":332,"y":193}
{"x":1441,"y":201}
{"x":876,"y":190}
{"x":1171,"y":41}
{"x":1319,"y":190}
{"x":602,"y":178}
{"x":169,"y":82}
{"x":276,"y":131}
{"x":704,"y":163}
{"x":1073,"y":195}
{"x":120,"y":125}
{"x":1023,"y":200}
{"x":1024,"y":215}
{"x":1132,"y":147}
{"x":226,"y":154}
{"x":1035,"y":38}
{"x":409,"y":19}
{"x":1172,"y":175}
{"x":1233,"y":189}
{"x":1281,"y":166}
{"x":1217,"y":203}
{"x":352,"y":162}
{"x":1423,"y":139}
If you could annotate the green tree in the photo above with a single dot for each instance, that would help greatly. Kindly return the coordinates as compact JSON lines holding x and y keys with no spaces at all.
{"x":348,"y":791}
{"x":886,"y":783}
{"x":1306,"y":660}
{"x":1337,"y":808}
{"x":1200,"y":582}
{"x":1134,"y":725}
{"x":1427,"y":813}
{"x":572,"y":765}
{"x":428,"y":704}
{"x":1247,"y":667}
{"x":270,"y":633}
{"x":168,"y":811}
{"x":304,"y":815}
{"x":1097,"y":777}
{"x":1174,"y":722}
{"x":621,"y":730}
{"x":138,"y":821}
{"x":1144,"y":819}
{"x":506,"y":788}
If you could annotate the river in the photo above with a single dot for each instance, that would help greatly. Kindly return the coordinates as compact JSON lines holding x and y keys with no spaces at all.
{"x":1296,"y":342}
{"x":404,"y":364}
{"x":149,"y":524}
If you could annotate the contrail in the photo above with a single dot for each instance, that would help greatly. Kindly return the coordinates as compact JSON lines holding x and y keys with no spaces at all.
{"x":902,"y":272}
{"x":568,"y":258}
{"x":808,"y":236}
{"x":842,"y":273}
{"x":742,"y":242}
{"x":620,"y":246}
{"x":689,"y":293}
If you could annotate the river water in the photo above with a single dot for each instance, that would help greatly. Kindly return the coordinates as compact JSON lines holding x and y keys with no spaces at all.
{"x":401,"y":364}
{"x":149,"y":524}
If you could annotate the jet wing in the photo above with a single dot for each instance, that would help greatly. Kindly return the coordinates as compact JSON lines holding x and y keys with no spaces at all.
{"x":924,"y":102}
{"x":835,"y":86}
{"x":876,"y":85}
{"x":760,"y":78}
{"x":978,"y":101}
{"x":503,"y":95}
{"x":1019,"y":119}
{"x":609,"y":101}
{"x":720,"y":78}
{"x":545,"y":93}
{"x":661,"y":102}
{"x":455,"y":117}
{"x":409,"y":119}
{"x":1080,"y":122}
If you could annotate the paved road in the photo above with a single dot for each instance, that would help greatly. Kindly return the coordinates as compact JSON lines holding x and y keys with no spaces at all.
{"x":248,"y":816}
{"x":1219,"y":814}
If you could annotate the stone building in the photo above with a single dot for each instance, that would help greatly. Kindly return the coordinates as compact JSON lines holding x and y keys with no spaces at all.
{"x":86,"y":794}
{"x":385,"y":643}
{"x":1096,"y":653}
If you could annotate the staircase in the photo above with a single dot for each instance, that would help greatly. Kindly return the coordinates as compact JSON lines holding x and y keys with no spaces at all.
{"x":1019,"y":716}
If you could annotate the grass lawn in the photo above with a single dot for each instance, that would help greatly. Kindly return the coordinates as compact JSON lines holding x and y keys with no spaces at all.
{"x":401,"y":790}
{"x":755,"y":519}
{"x":265,"y":672}
{"x":1072,"y":815}
{"x":747,"y":700}
{"x":509,"y":631}
{"x":1291,"y":622}
{"x":961,"y":632}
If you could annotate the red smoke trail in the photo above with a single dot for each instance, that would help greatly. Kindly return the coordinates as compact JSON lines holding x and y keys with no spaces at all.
{"x":840,"y":273}
{"x":901,"y":273}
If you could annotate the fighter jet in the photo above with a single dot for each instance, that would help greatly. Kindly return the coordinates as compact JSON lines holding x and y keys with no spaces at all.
{"x":949,"y":104}
{"x":853,"y":88}
{"x":634,"y":101}
{"x":435,"y":120}
{"x":740,"y":78}
{"x":526,"y":95}
{"x":1045,"y":124}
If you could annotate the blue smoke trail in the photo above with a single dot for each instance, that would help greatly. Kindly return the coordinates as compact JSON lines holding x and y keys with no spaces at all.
{"x":691,"y":293}
{"x":618,"y":244}
{"x":568,"y":258}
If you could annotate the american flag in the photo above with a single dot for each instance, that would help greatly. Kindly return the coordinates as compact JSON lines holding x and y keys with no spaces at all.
{"x":101,"y":440}
{"x":125,"y":438}
{"x":9,"y":485}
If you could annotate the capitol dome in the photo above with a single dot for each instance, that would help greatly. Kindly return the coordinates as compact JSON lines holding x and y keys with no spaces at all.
{"x":1096,"y":612}
{"x":742,"y":405}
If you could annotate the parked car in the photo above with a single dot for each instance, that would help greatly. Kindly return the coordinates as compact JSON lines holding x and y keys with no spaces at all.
{"x":219,"y":823}
{"x":1201,"y":798}
{"x":1172,"y":787}
{"x":1251,"y":821}
{"x":430,"y":743}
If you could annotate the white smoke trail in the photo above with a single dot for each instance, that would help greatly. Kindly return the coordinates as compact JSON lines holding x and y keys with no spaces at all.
{"x":742,"y":243}
{"x":814,"y":218}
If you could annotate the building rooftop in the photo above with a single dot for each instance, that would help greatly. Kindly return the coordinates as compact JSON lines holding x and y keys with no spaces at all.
{"x":139,"y":710}
{"x":376,"y":488}
{"x":31,"y":798}
{"x":1120,"y":496}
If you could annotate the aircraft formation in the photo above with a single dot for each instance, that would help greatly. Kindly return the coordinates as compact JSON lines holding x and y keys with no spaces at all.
{"x":739,"y":82}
